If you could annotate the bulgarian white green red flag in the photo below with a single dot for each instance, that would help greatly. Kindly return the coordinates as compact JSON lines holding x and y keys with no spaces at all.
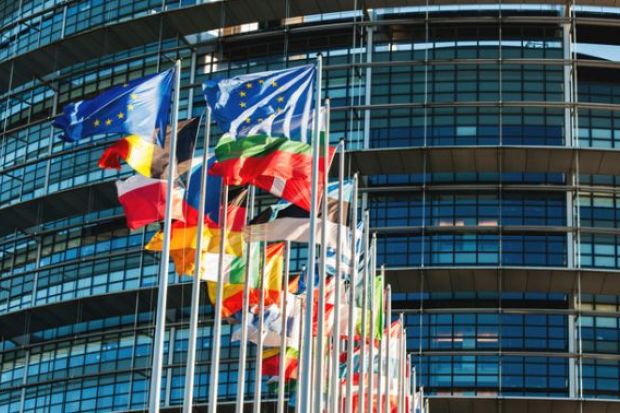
{"x":266,"y":119}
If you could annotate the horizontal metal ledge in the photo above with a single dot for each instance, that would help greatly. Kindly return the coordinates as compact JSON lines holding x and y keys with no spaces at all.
{"x":114,"y":37}
{"x":473,"y":404}
{"x":482,"y":104}
{"x":518,"y":353}
{"x":492,"y":229}
{"x":486,"y":404}
{"x":15,"y":324}
{"x":62,"y":204}
{"x":454,"y":159}
{"x":480,"y":229}
{"x":504,"y":279}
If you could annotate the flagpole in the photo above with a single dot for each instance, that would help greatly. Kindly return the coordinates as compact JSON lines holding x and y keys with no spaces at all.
{"x":388,"y":314}
{"x":352,"y":283}
{"x":411,"y":383}
{"x":401,"y":370}
{"x":162,"y":296}
{"x":258,"y":370}
{"x":335,"y":383}
{"x":243,"y":343}
{"x":381,"y":357}
{"x":306,"y":362}
{"x":283,"y":329}
{"x":188,"y":394}
{"x":371,"y":336}
{"x":320,"y":339}
{"x":300,"y":372}
{"x":217,"y":306}
{"x":362,"y":380}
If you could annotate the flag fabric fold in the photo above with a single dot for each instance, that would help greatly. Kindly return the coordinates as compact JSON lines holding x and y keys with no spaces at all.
{"x":149,"y":159}
{"x":273,"y":263}
{"x":138,"y":108}
{"x":276,"y":103}
{"x":144,"y":200}
{"x":280,"y":166}
{"x":286,"y":221}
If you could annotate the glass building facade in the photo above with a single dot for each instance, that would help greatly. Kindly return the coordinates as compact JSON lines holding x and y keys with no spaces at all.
{"x":486,"y":136}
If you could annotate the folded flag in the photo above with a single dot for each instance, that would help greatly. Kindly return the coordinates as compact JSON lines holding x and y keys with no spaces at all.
{"x":150,"y":159}
{"x":296,"y":283}
{"x":286,"y":221}
{"x":271,"y":363}
{"x":272,"y":269}
{"x":183,"y":239}
{"x":139,"y":108}
{"x":272,"y":324}
{"x":276,"y":103}
{"x":144,"y":200}
{"x":345,"y":253}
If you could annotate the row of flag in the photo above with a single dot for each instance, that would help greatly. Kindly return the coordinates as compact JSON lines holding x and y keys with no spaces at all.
{"x":268,"y":120}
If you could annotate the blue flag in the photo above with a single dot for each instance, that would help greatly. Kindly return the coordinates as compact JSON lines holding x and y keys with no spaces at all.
{"x":140,"y":107}
{"x":277,"y":103}
{"x":192,"y":193}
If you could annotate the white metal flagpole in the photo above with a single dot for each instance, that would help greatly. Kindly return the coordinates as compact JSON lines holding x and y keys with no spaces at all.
{"x":217,"y":306}
{"x":320,"y":339}
{"x":258,"y":369}
{"x":352,"y":284}
{"x":373,"y":310}
{"x":284,"y":315}
{"x":243,"y":342}
{"x":162,"y":296}
{"x":188,"y":393}
{"x":388,"y":381}
{"x":305,"y":394}
{"x":366,"y":275}
{"x":403,"y":364}
{"x":381,"y":355}
{"x":335,"y":380}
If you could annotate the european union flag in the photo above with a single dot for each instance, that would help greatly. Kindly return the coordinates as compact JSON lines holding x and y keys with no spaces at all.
{"x":277,"y":103}
{"x":140,"y":107}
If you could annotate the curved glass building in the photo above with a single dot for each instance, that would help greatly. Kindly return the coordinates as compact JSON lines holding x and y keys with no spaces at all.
{"x":486,"y":137}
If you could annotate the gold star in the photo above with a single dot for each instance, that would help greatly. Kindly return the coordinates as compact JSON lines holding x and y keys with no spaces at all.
{"x":242,"y":104}
{"x":97,"y":122}
{"x":108,"y":122}
{"x":280,"y":99}
{"x":242,"y":94}
{"x":274,"y":83}
{"x":261,"y":81}
{"x":247,"y":120}
{"x":133,"y":96}
{"x":120,"y":115}
{"x":279,"y":110}
{"x":130,"y":107}
{"x":248,"y":85}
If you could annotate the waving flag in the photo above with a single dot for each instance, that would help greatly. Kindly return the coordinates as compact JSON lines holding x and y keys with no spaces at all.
{"x":277,"y":103}
{"x":266,"y":118}
{"x":272,"y":335}
{"x":183,"y":232}
{"x":286,"y":221}
{"x":271,"y":363}
{"x":139,"y":108}
{"x":273,"y":263}
{"x":148,"y":158}
{"x":144,"y":200}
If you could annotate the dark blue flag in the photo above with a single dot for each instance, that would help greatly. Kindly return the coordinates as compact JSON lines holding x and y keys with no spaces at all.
{"x":277,"y":103}
{"x":140,"y":107}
